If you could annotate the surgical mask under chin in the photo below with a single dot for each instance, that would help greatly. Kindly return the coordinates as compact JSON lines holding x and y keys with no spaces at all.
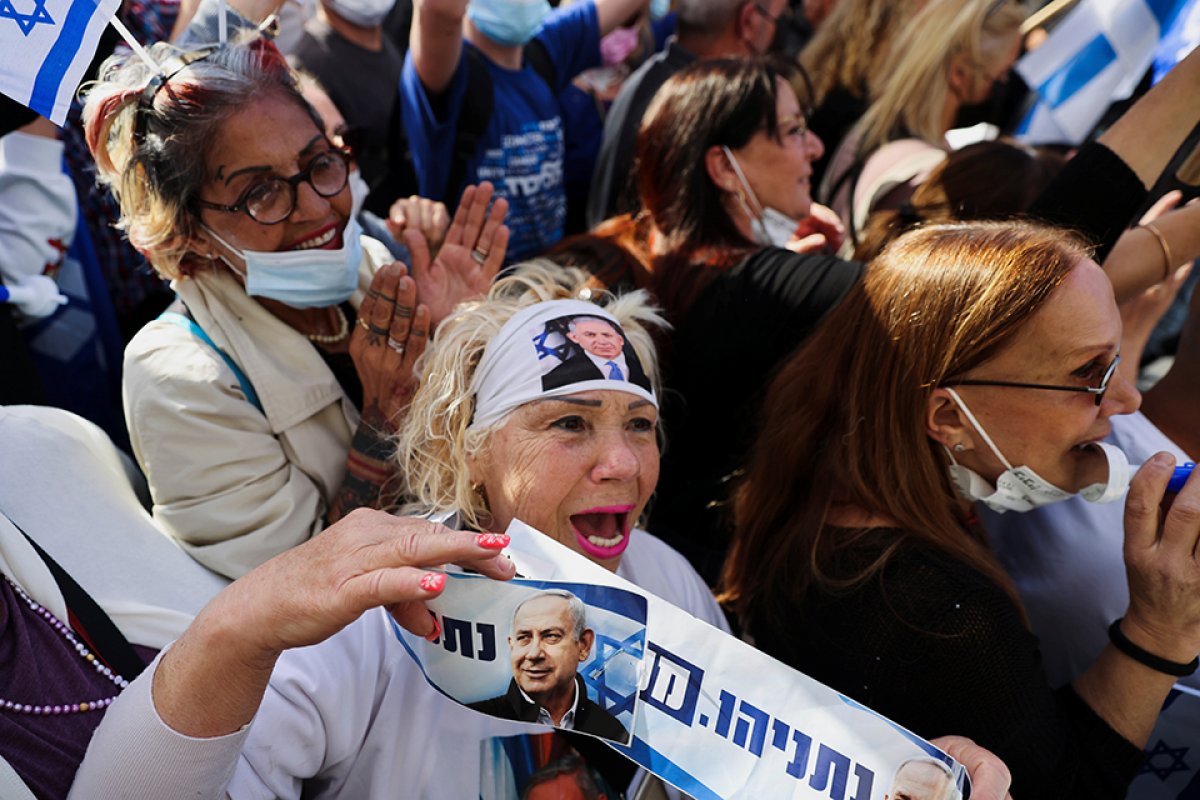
{"x":313,"y":278}
{"x":771,"y":228}
{"x":1022,"y":489}
{"x":508,"y":22}
{"x":363,"y":13}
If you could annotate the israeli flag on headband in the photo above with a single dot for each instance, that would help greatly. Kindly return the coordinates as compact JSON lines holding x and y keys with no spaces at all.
{"x":45,"y":46}
{"x":1096,"y":55}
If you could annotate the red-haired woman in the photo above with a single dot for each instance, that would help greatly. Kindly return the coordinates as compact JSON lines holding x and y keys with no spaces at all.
{"x":982,"y":368}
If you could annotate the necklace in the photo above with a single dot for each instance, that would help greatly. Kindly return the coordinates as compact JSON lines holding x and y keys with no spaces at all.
{"x":330,"y":338}
{"x":84,"y":653}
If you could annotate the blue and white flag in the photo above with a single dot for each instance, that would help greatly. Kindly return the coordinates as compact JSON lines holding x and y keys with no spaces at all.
{"x":45,"y":46}
{"x":1170,"y":771}
{"x":1096,"y":55}
{"x":1180,"y":39}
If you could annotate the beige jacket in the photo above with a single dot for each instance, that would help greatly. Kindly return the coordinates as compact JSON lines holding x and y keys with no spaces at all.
{"x":236,"y":486}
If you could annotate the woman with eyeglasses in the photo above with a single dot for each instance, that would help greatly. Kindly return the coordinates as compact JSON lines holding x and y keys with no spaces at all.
{"x":982,"y":369}
{"x":261,"y":406}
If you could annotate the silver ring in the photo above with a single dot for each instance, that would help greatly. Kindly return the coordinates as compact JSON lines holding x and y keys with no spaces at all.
{"x":395,"y":345}
{"x":479,"y":255}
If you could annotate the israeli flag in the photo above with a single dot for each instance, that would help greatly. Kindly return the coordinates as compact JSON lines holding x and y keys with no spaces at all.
{"x":1179,"y":40}
{"x":45,"y":46}
{"x":1096,"y":55}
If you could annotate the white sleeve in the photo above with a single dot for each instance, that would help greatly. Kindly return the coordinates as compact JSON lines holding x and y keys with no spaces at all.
{"x":134,"y":755}
{"x":37,"y":206}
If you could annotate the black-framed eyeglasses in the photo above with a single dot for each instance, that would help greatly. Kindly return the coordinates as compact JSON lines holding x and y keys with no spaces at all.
{"x":1096,"y":391}
{"x":784,"y":16}
{"x":273,"y":200}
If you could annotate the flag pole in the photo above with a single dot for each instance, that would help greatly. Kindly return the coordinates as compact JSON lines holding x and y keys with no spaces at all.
{"x":134,"y":44}
{"x":1045,"y":14}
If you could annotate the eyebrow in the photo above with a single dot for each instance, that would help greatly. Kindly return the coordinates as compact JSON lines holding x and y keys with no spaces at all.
{"x":253,"y":170}
{"x":639,"y":404}
{"x":1092,"y":348}
{"x":576,"y":401}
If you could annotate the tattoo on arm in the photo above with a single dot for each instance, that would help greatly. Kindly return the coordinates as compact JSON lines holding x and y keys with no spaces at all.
{"x":370,"y":466}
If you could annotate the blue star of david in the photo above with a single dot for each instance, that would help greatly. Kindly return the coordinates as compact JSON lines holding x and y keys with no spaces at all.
{"x":611,"y":700}
{"x":26,"y":22}
{"x":1173,"y":757}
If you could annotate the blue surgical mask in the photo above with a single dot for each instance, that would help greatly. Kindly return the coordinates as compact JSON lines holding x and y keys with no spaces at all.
{"x":313,"y":278}
{"x":508,"y":22}
{"x":659,"y":8}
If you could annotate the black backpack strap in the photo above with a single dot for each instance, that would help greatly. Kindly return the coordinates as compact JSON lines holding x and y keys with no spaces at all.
{"x":537,"y":56}
{"x":100,"y":631}
{"x":478,"y":102}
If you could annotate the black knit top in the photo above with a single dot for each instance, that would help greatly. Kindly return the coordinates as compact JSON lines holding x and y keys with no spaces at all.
{"x":934,"y":645}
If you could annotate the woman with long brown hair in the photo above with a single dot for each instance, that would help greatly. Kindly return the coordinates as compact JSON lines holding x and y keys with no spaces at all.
{"x":982,"y":368}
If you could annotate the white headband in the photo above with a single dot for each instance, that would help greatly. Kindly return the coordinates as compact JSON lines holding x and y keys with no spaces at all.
{"x":532,"y":357}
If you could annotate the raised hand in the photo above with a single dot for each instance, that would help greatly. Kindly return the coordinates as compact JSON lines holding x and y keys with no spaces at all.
{"x":471,"y":255}
{"x":390,"y":336}
{"x":428,"y":217}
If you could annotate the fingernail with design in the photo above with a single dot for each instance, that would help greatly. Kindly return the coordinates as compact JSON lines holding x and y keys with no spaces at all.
{"x":492,"y":541}
{"x":433,"y":581}
{"x":436,"y":633}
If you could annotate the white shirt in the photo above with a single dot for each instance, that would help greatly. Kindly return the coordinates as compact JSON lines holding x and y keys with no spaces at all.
{"x":349,"y":718}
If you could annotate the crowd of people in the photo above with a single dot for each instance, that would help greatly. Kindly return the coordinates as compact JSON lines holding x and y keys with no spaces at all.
{"x":423,"y":269}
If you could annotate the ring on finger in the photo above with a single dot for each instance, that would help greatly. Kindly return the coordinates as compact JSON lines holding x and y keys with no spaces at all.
{"x":377,"y":330}
{"x":395,"y":345}
{"x":378,"y":295}
{"x":479,"y":254}
{"x":362,"y":323}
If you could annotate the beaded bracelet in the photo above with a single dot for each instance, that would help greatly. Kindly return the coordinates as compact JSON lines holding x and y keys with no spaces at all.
{"x":1146,"y":658}
{"x":1162,"y":242}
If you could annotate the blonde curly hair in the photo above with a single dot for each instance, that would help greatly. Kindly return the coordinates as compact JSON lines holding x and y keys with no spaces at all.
{"x":437,"y":440}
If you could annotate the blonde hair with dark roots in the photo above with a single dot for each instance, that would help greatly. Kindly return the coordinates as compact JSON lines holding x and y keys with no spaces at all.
{"x":436,"y":442}
{"x":909,"y":94}
{"x":156,"y":179}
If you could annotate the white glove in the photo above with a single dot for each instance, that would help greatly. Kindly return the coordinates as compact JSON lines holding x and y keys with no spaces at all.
{"x":34,"y":296}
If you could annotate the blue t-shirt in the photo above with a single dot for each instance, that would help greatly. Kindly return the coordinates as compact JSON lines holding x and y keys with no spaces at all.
{"x":522,"y":149}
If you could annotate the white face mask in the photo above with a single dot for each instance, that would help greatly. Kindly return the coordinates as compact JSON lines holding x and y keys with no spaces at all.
{"x":363,"y":13}
{"x":1022,"y":489}
{"x":771,"y":228}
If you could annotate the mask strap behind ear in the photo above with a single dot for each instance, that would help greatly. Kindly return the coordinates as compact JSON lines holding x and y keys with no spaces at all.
{"x":741,"y":176}
{"x":978,"y":428}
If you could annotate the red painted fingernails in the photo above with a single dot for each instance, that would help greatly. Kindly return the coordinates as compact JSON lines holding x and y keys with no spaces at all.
{"x":436,"y":633}
{"x":492,"y":541}
{"x":433,"y":581}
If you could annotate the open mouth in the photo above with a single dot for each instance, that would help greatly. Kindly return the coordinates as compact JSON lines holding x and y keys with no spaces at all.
{"x":603,"y":532}
{"x":321,"y":239}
